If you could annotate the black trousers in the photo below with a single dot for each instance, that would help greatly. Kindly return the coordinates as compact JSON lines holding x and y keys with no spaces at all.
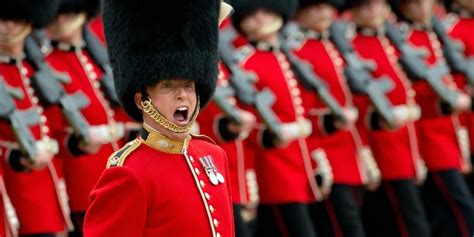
{"x":340,"y":214}
{"x":242,"y":228}
{"x":284,"y":220}
{"x":395,"y":209}
{"x":449,"y":204}
{"x":77,"y":219}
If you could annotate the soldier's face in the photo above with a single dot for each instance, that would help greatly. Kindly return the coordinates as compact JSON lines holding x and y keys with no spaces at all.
{"x":11,"y":29}
{"x":317,"y":17}
{"x":261,"y":24}
{"x":466,"y":4}
{"x":417,"y":10}
{"x":174,"y":99}
{"x":372,"y":13}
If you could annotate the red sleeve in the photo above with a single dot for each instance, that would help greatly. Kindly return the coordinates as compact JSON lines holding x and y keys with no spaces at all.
{"x":111,"y":213}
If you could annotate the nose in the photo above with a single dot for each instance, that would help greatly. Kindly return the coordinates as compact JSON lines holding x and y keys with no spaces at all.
{"x":181,"y":93}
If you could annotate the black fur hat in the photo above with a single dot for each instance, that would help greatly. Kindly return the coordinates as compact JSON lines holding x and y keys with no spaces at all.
{"x":338,"y":4}
{"x":38,"y":12}
{"x":348,"y":4}
{"x":152,"y":40}
{"x":285,"y":8}
{"x":90,"y":7}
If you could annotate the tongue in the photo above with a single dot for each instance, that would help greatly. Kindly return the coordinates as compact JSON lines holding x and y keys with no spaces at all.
{"x":179,"y":116}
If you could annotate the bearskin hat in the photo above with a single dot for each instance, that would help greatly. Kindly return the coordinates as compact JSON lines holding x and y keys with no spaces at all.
{"x":38,"y":12}
{"x":285,"y":8}
{"x":338,"y":4}
{"x":150,"y":41}
{"x":90,"y":7}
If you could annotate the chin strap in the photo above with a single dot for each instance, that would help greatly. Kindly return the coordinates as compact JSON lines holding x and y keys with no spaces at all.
{"x":6,"y":39}
{"x":149,"y":108}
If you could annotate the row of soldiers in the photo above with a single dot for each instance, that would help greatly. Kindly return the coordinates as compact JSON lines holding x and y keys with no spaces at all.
{"x":355,"y":117}
{"x":310,"y":110}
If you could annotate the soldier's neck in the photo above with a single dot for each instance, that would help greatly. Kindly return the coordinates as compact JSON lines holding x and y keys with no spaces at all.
{"x":13,"y":49}
{"x":74,"y":37}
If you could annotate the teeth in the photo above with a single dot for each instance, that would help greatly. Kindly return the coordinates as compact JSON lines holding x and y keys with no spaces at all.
{"x":182,"y":108}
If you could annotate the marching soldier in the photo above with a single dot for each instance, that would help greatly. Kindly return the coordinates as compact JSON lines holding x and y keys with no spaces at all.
{"x":442,"y":142}
{"x":231,"y":134}
{"x":284,"y":165}
{"x":27,"y":143}
{"x":340,"y":213}
{"x":167,"y":182}
{"x":395,"y":209}
{"x":460,"y":22}
{"x":78,"y":54}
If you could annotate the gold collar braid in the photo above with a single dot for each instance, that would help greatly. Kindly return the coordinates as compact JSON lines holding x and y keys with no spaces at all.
{"x":148,"y":108}
{"x":162,"y":143}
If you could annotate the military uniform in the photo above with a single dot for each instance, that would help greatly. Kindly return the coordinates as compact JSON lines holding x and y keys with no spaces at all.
{"x":182,"y":188}
{"x":440,"y":145}
{"x":38,"y":197}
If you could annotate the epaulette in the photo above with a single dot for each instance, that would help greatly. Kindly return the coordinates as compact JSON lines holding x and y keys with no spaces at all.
{"x":243,"y":53}
{"x":294,"y":36}
{"x":450,"y":21}
{"x":203,"y":138}
{"x":118,"y":158}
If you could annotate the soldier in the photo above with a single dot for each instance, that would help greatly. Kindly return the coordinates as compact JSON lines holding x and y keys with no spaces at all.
{"x":231,"y":134}
{"x":442,"y":143}
{"x":284,"y":166}
{"x":395,"y":209}
{"x":460,"y":22}
{"x":165,"y":183}
{"x":73,"y":54}
{"x":339,"y":136}
{"x":26,"y":139}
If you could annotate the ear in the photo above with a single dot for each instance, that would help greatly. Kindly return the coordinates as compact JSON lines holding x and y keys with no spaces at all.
{"x":138,"y":99}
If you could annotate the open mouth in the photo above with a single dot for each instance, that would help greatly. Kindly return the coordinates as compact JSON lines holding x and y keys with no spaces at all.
{"x":181,"y":115}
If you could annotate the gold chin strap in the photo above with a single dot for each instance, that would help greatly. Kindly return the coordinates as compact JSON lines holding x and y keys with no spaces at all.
{"x":226,"y":11}
{"x":7,"y":39}
{"x":148,"y":108}
{"x":69,"y":26}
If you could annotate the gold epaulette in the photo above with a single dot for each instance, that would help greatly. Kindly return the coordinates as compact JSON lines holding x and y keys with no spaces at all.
{"x":203,"y":137}
{"x":118,"y":158}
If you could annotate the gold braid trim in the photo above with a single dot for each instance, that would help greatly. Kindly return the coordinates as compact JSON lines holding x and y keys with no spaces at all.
{"x":148,"y":108}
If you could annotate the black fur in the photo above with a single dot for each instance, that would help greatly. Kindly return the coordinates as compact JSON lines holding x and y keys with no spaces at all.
{"x":284,"y":8}
{"x":90,"y":7}
{"x":152,"y":40}
{"x":338,"y":4}
{"x":38,"y":12}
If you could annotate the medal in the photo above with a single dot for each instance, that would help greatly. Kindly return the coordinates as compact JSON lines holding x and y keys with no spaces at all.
{"x":212,"y":173}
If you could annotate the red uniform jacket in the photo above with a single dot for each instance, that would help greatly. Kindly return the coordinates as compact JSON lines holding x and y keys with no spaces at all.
{"x":341,"y":146}
{"x":437,"y":137}
{"x":82,"y":172}
{"x":284,"y":174}
{"x":35,"y":195}
{"x":237,"y":149}
{"x":394,"y":151}
{"x":460,"y":28}
{"x":167,"y":192}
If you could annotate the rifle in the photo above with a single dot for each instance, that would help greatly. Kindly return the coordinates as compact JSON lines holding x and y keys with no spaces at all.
{"x":20,"y":121}
{"x":416,"y":68}
{"x":453,"y":53}
{"x":358,"y":75}
{"x":310,"y":80}
{"x":221,"y":97}
{"x":241,"y":81}
{"x":51,"y":92}
{"x":99,"y":54}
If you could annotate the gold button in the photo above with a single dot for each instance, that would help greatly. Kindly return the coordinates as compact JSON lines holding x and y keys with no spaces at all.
{"x":208,"y":197}
{"x":34,"y":100}
{"x":43,"y":119}
{"x":196,"y":170}
{"x":93,"y":75}
{"x":298,"y":101}
{"x":44,"y":129}
{"x":218,"y":234}
{"x":295,"y":92}
{"x":216,"y":223}
{"x":24,"y":71}
{"x":211,"y":208}
{"x":299,"y":110}
{"x":411,"y":93}
{"x":292,"y":82}
{"x":89,"y":67}
{"x":338,"y":62}
{"x":285,"y":65}
{"x":281,"y":57}
{"x":202,"y":184}
{"x":289,"y":74}
{"x":40,"y":110}
{"x":191,"y":158}
{"x":83,"y":59}
{"x":232,"y":101}
{"x":96,"y":85}
{"x":30,"y":91}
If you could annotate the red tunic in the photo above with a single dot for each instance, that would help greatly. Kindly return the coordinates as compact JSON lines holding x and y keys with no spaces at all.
{"x":436,"y":132}
{"x":238,"y":151}
{"x":461,"y":30}
{"x":342,"y":146}
{"x":394,"y":150}
{"x":284,"y":174}
{"x":161,"y":193}
{"x":83,"y":171}
{"x":35,"y":195}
